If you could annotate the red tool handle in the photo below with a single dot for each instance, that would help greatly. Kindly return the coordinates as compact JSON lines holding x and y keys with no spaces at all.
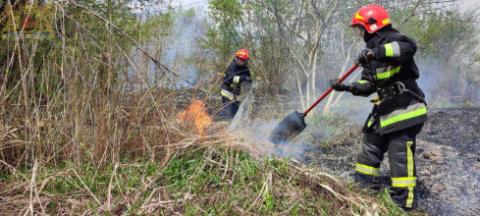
{"x":326,"y":93}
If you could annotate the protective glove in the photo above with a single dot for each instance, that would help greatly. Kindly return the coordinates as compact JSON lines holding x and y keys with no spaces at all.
{"x":339,"y":86}
{"x":240,"y":79}
{"x":365,"y":57}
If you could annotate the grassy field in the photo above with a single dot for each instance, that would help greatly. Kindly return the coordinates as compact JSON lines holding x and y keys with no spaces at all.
{"x":194,"y":181}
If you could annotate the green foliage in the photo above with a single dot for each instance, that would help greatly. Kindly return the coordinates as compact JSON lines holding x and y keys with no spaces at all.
{"x":44,"y":53}
{"x":442,"y":34}
{"x":159,"y":25}
{"x":209,"y":182}
{"x":394,"y":210}
{"x":223,"y":36}
{"x":447,"y":41}
{"x":91,"y":36}
{"x":190,"y":13}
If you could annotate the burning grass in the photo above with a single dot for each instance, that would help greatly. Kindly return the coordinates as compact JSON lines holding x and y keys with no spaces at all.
{"x":195,"y":115}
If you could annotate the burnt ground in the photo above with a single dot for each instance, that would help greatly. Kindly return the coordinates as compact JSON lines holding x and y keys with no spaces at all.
{"x":447,"y":159}
{"x":449,"y":162}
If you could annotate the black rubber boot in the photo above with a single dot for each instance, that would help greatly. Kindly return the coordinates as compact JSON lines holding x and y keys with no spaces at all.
{"x":368,"y":182}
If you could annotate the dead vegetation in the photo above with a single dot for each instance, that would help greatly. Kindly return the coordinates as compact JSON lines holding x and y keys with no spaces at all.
{"x":202,"y":174}
{"x":87,"y":129}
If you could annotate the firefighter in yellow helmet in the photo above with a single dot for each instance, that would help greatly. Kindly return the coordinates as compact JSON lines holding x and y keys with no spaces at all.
{"x":400,"y":109}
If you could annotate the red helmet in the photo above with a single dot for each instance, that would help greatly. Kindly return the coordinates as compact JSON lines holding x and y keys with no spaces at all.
{"x":243,"y":54}
{"x":372,"y":18}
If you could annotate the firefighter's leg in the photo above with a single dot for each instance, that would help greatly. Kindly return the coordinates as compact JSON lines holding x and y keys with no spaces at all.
{"x":367,"y":168}
{"x":234,"y":107}
{"x":401,"y":153}
{"x":227,"y":109}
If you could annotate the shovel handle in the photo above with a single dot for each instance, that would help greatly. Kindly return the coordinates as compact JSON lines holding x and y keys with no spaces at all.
{"x":329,"y":90}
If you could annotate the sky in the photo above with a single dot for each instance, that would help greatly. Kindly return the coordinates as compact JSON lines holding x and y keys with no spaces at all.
{"x":202,"y":5}
{"x":466,"y":4}
{"x":199,"y":5}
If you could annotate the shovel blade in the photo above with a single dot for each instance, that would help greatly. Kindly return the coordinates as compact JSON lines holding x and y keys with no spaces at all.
{"x":288,"y":128}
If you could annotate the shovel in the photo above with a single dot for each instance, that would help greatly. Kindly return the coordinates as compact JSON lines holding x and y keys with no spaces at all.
{"x":294,"y":123}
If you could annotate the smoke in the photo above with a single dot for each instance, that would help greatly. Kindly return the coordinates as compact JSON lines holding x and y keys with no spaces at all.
{"x":182,"y":50}
{"x":258,"y":131}
{"x":447,"y":83}
{"x":176,"y":45}
{"x":432,"y":79}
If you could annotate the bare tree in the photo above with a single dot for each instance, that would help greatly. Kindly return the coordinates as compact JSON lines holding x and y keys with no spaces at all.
{"x":301,"y":27}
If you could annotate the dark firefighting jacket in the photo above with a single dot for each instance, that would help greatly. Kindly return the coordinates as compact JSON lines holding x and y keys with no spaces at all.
{"x":233,"y":78}
{"x":392,"y":74}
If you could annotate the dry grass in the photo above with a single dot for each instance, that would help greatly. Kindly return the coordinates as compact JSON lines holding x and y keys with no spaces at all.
{"x":289,"y":183}
{"x":75,"y":100}
{"x":84,"y":131}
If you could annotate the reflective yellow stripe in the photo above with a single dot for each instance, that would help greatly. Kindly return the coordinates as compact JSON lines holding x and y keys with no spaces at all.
{"x":227,"y":94}
{"x":392,"y":49}
{"x":236,"y":79}
{"x":388,"y":50}
{"x":387,"y":74}
{"x":410,"y":171}
{"x":362,"y":81}
{"x":367,"y":170}
{"x":370,"y":122}
{"x":404,"y":181}
{"x":409,"y":202}
{"x":404,"y":116}
{"x":410,"y":162}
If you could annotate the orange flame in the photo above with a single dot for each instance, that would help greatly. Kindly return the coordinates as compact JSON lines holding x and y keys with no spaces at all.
{"x":196,"y":113}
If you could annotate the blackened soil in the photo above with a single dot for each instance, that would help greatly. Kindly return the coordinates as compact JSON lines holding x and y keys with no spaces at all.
{"x":458,"y":128}
{"x":447,"y":159}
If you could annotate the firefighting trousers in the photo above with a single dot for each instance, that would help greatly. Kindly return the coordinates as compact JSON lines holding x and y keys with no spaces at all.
{"x":401,"y":153}
{"x":229,"y":109}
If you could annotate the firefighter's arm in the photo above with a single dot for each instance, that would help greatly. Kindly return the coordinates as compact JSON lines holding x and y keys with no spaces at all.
{"x":401,"y":49}
{"x":238,"y":79}
{"x":228,"y":77}
{"x":364,"y":86}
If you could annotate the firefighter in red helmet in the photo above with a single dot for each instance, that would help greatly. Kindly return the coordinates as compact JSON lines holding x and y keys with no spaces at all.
{"x":236,"y":75}
{"x":399,"y":109}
